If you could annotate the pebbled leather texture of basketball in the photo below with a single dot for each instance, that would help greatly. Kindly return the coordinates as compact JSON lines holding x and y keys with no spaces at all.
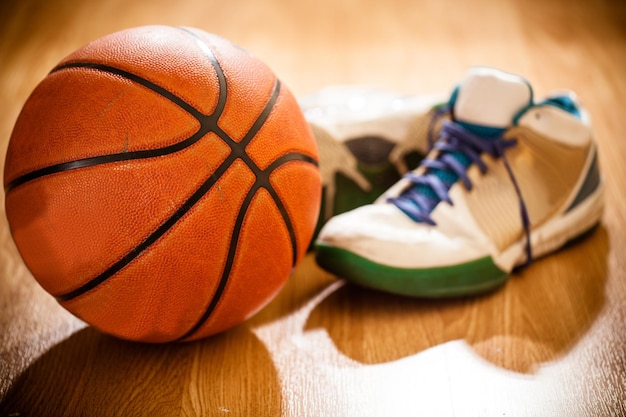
{"x":162,"y":184}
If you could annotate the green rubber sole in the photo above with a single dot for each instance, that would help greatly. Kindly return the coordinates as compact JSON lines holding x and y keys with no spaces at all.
{"x":468,"y":278}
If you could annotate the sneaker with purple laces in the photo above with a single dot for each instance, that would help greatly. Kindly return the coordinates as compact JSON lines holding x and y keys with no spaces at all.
{"x":508,"y":180}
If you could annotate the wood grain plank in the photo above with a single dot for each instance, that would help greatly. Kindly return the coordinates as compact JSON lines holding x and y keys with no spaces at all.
{"x":551,"y":342}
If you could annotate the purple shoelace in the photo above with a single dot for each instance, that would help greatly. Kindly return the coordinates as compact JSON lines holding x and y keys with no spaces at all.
{"x":458,"y":149}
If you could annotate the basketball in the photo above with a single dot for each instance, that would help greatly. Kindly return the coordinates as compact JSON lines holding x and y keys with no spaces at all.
{"x":161,"y":183}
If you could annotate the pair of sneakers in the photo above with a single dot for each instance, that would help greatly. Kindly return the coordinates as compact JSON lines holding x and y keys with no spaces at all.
{"x":506,"y":179}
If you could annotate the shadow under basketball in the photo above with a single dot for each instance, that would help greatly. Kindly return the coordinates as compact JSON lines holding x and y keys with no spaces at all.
{"x":92,"y":374}
{"x":536,"y":317}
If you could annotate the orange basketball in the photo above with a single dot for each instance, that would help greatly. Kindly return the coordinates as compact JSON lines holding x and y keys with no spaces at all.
{"x":162,"y":184}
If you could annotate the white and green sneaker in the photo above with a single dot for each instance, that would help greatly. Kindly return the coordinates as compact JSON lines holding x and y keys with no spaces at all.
{"x":509,"y":179}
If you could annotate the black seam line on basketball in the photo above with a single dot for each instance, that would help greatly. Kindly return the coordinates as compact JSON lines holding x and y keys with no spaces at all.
{"x":230,"y":259}
{"x":223,"y":86}
{"x":254,"y":129}
{"x":208,"y":123}
{"x":153,"y":237}
{"x":139,"y":80}
{"x":260,"y":121}
{"x":279,"y":203}
{"x":239,"y":148}
{"x":293,"y":156}
{"x":107,"y":159}
{"x":261,"y":181}
{"x":182,"y":210}
{"x":232,"y":248}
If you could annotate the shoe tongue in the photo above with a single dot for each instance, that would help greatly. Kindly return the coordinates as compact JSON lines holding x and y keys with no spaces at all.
{"x":487,"y":100}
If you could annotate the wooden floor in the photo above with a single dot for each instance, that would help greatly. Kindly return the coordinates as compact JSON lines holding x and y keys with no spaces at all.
{"x":552,"y":342}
